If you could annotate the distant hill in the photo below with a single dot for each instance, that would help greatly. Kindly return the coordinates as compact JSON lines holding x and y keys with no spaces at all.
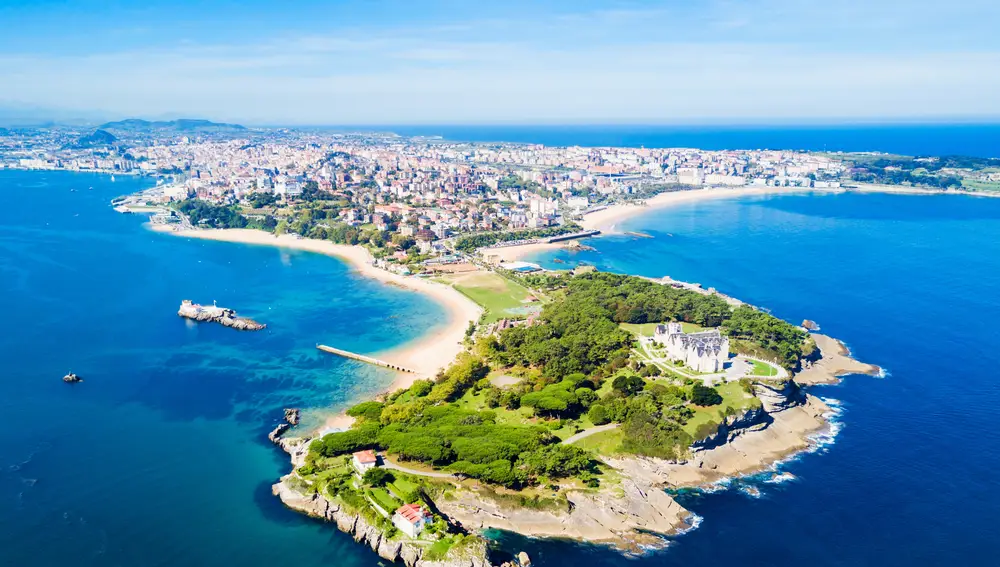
{"x":99,"y":138}
{"x":183,"y":125}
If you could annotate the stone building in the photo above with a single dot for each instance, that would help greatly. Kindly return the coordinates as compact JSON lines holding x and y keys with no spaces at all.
{"x":705,"y":351}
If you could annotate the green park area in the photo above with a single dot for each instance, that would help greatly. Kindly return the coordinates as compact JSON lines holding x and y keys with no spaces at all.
{"x":576,"y":370}
{"x":498,"y":296}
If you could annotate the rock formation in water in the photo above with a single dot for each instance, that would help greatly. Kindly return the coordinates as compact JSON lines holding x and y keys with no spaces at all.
{"x":221,"y":315}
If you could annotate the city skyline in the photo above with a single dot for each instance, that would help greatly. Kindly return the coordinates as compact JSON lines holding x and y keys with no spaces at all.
{"x":397,"y":63}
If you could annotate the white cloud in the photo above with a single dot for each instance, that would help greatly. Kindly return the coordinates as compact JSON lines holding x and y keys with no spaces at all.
{"x":733,"y":60}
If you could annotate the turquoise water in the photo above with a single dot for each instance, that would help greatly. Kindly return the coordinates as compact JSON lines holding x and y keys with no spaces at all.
{"x":160,"y":456}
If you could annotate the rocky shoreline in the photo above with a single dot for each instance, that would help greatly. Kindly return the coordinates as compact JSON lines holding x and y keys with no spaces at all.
{"x":411,"y":554}
{"x":639,"y":511}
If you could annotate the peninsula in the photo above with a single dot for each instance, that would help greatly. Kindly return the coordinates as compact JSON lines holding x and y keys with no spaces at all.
{"x":550,"y":403}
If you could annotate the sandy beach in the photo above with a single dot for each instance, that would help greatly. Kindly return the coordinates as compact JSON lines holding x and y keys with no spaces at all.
{"x":605,"y":220}
{"x":427,"y":354}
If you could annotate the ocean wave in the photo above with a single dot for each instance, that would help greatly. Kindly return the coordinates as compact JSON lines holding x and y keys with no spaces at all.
{"x":693,"y":522}
{"x":818,"y":442}
{"x":781,"y":478}
{"x":883,"y":372}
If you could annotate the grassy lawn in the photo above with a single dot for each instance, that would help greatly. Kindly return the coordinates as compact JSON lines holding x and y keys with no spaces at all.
{"x":603,"y":443}
{"x":385,"y":500}
{"x":439,"y":549}
{"x":761,"y":369}
{"x":647,"y":329}
{"x":974,"y":185}
{"x":733,"y":396}
{"x":403,"y":486}
{"x":640,"y":329}
{"x":477,"y":402}
{"x":499,"y":296}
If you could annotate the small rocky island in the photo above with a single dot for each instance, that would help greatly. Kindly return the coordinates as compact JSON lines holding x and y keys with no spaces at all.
{"x":216,"y":314}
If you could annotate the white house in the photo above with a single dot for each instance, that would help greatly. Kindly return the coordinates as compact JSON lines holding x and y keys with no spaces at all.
{"x":705,"y":351}
{"x":364,"y":461}
{"x":411,"y":519}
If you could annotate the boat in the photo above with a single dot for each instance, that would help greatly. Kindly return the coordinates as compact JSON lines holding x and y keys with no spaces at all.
{"x":72,"y":378}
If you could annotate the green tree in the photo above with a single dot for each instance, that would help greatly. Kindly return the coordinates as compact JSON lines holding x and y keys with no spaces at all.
{"x":702,"y":395}
{"x":598,"y":414}
{"x":377,"y":477}
{"x":628,"y":384}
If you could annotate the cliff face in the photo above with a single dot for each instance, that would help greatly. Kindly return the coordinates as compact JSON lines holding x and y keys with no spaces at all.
{"x":733,"y":426}
{"x":408,"y":553}
{"x":779,"y":396}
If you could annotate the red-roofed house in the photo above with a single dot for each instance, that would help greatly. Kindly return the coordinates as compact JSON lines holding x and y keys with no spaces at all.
{"x":364,"y":460}
{"x":411,"y":519}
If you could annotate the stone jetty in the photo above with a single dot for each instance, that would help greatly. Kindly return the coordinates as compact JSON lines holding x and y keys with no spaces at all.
{"x":216,"y":314}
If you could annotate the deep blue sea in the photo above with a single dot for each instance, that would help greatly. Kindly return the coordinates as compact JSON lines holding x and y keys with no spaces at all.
{"x":982,"y":140}
{"x":159,"y":458}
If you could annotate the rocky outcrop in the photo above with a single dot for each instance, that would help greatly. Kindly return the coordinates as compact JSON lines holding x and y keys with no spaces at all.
{"x":625,"y":515}
{"x":350,"y":523}
{"x":292,"y":416}
{"x":734,"y":425}
{"x":831,"y":361}
{"x":409,"y":553}
{"x":277,"y":432}
{"x":220,"y":315}
{"x":810,"y":325}
{"x":778,"y":395}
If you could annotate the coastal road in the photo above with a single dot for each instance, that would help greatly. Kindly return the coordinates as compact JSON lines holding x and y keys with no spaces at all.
{"x":386,"y":463}
{"x":588,"y":432}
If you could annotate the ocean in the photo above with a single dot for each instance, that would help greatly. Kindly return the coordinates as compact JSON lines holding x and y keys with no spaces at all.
{"x":981,"y":140}
{"x":160,"y":458}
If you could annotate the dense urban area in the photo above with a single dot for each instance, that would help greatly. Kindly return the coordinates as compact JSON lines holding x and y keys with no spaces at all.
{"x":403,"y":196}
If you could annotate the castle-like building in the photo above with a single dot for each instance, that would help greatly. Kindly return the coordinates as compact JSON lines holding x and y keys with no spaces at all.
{"x":705,"y":351}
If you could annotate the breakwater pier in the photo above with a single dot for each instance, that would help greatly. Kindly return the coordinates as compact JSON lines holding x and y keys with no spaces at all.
{"x":363,"y":358}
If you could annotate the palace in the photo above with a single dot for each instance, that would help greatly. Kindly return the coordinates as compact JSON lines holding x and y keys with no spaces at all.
{"x":705,"y":351}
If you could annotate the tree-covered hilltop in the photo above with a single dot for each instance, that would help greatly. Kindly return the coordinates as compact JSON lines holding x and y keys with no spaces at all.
{"x":472,"y":242}
{"x":580,"y":333}
{"x":202,"y":213}
{"x":935,"y":172}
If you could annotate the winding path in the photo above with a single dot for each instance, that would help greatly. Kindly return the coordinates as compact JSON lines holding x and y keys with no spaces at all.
{"x":386,"y":463}
{"x":588,"y":432}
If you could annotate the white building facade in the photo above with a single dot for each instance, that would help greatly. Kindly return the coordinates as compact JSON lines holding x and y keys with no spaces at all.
{"x":705,"y":351}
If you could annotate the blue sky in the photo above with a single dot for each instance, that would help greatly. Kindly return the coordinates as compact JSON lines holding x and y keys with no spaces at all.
{"x":400,"y":62}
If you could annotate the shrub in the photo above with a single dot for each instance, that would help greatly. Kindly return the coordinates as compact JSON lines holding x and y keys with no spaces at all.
{"x":421,"y":388}
{"x":598,"y":414}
